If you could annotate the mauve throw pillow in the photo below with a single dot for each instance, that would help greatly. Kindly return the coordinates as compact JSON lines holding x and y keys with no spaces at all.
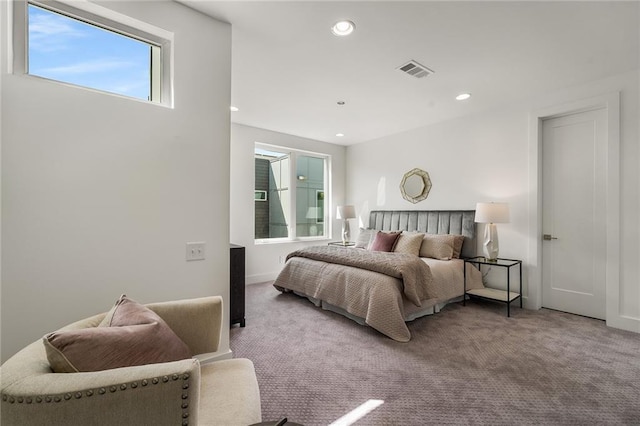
{"x":131,"y":334}
{"x":384,"y":241}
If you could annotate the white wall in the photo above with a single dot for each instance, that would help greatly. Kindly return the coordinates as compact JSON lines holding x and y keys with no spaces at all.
{"x":101,"y":193}
{"x":485,"y":157}
{"x":263,"y":260}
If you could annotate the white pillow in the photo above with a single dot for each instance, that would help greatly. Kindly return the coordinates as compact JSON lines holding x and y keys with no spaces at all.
{"x":365,"y":238}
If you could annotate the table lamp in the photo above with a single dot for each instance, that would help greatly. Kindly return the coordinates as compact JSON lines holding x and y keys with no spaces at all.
{"x":345,"y":213}
{"x":491,"y":213}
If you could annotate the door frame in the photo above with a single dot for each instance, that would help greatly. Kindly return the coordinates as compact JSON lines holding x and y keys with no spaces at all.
{"x":611,"y":102}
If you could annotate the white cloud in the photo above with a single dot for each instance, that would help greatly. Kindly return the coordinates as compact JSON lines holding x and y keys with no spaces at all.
{"x":50,"y":32}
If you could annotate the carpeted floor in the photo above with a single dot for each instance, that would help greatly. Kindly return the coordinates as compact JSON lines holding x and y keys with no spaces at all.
{"x":465,"y":365}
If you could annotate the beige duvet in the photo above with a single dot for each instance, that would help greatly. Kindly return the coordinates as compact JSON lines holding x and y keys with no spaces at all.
{"x":384,"y":301}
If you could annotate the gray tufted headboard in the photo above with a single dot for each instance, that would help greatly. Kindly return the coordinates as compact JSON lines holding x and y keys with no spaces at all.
{"x":459,"y":222}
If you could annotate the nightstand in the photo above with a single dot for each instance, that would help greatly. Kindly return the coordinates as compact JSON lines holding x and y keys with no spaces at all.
{"x":341,"y":244}
{"x":492,"y":293}
{"x":237,"y":285}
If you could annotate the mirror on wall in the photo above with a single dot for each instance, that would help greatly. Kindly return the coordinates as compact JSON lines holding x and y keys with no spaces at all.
{"x":415,"y":185}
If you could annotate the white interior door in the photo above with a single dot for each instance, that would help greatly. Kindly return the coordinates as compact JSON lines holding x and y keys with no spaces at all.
{"x":574,"y":213}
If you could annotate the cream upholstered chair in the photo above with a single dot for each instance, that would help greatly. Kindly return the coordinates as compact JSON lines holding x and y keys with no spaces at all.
{"x":173,"y":393}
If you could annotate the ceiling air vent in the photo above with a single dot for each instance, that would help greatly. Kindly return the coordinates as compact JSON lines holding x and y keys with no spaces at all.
{"x":415,"y":69}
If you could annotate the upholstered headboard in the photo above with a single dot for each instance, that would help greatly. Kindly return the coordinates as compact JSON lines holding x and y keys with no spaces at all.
{"x":460,"y":222}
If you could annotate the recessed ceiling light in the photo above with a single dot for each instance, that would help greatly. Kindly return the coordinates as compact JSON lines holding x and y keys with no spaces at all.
{"x":343,"y":28}
{"x":234,"y":109}
{"x":463,"y":96}
{"x":339,"y":135}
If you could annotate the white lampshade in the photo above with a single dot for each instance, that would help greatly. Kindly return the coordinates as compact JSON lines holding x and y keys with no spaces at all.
{"x":346,"y":212}
{"x":492,"y":213}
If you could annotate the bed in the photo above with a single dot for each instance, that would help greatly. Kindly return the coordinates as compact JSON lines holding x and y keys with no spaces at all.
{"x":382,"y":289}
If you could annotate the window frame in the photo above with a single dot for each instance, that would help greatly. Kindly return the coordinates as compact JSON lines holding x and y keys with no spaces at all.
{"x":291,"y":227}
{"x":161,"y":74}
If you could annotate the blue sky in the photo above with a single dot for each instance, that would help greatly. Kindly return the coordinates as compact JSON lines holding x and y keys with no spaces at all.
{"x":64,"y":49}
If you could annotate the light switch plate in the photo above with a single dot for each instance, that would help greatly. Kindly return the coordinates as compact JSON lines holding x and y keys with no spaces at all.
{"x":195,"y":251}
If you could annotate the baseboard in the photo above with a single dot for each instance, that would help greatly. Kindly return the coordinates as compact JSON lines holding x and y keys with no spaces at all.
{"x":624,"y":322}
{"x":261,"y":278}
{"x":528,"y":303}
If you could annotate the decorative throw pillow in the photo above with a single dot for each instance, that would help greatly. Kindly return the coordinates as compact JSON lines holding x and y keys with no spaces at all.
{"x":409,"y":243}
{"x":365,"y":237}
{"x":384,"y":241}
{"x":437,"y":246}
{"x":130,"y":334}
{"x":458,"y":240}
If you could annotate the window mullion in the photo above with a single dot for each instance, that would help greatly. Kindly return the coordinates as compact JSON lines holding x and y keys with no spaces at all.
{"x":327,"y":213}
{"x":155,"y":73}
{"x":293,"y":190}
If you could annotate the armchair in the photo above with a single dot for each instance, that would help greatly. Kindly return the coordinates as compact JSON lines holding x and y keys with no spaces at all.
{"x":173,"y":393}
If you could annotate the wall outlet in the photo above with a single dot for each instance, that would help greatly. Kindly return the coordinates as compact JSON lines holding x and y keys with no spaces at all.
{"x":195,"y":251}
{"x":281,"y":259}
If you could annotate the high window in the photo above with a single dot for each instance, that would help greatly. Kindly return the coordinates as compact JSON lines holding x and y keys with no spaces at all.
{"x":291,"y":189}
{"x":84,"y":48}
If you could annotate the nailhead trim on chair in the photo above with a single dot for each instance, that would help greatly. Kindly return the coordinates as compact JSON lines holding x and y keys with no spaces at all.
{"x":102,"y":391}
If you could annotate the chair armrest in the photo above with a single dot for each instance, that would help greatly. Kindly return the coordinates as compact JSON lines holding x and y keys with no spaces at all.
{"x":157,"y":394}
{"x":198,"y":322}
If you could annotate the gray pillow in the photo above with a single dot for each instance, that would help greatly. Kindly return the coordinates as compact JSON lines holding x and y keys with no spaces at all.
{"x":365,"y":238}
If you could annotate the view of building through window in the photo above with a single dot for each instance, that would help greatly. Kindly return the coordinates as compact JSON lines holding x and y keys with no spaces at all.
{"x":71,"y":51}
{"x":279,"y":172}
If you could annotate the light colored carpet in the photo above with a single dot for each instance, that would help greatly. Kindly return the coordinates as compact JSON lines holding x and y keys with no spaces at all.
{"x":465,"y":365}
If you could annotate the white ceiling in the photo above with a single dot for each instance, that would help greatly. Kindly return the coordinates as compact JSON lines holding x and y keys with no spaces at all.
{"x":289,"y":70}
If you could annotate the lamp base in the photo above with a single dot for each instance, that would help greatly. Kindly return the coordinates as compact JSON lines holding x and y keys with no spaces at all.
{"x":345,"y":231}
{"x":490,"y":243}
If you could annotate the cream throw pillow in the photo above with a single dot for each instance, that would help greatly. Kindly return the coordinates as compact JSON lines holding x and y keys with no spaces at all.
{"x":437,"y":246}
{"x":458,"y":240}
{"x":409,"y":243}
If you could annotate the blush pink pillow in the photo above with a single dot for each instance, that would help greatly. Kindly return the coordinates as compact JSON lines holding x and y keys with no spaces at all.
{"x":384,"y":241}
{"x":131,"y":334}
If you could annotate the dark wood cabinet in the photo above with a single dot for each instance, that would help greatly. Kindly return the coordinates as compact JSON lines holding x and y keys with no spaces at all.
{"x":236,"y":290}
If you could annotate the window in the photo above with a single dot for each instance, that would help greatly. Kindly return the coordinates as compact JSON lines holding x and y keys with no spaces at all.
{"x":295,"y":183}
{"x":89,"y":48}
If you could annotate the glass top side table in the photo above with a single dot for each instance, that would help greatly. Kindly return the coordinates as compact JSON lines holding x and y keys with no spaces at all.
{"x":507,"y":296}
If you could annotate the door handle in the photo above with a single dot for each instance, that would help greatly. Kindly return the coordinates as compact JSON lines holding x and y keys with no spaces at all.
{"x":548,"y":237}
